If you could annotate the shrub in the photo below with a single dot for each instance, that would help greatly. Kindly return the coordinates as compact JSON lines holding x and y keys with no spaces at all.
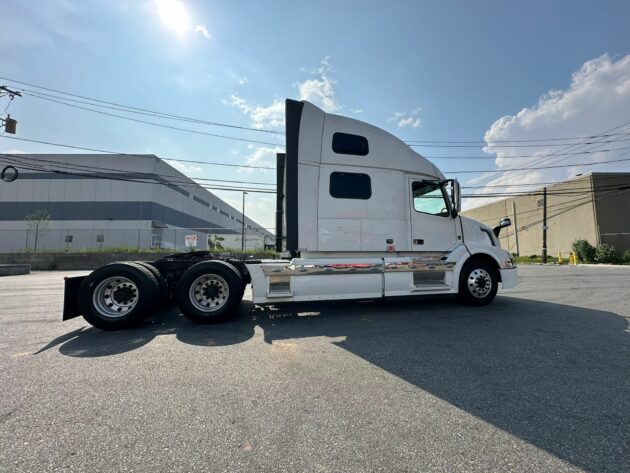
{"x":607,"y":254}
{"x":584,"y":251}
{"x":625,"y":257}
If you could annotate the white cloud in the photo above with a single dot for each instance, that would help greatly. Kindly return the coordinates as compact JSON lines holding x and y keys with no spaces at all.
{"x":184,"y":168}
{"x":319,"y":89}
{"x":597,"y":100}
{"x":242,"y":80}
{"x":271,"y":116}
{"x":13,"y":151}
{"x":409,"y":119}
{"x":202,"y":30}
{"x":261,"y":156}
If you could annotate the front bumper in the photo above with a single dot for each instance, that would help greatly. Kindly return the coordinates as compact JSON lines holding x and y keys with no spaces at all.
{"x":509,"y":278}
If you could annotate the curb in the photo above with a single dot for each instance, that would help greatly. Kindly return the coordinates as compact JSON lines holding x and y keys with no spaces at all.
{"x":587,"y":265}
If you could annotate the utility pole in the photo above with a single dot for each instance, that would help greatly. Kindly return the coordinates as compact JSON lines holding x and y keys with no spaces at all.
{"x":544,"y":242}
{"x":243,"y":224}
{"x":515,"y":227}
{"x":10,"y":124}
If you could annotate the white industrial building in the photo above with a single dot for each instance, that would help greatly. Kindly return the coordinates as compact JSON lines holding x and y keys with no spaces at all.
{"x":111,"y":200}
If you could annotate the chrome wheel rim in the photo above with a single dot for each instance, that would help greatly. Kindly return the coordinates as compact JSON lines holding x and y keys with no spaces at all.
{"x":479,"y":283}
{"x":115,"y":297}
{"x":209,"y":293}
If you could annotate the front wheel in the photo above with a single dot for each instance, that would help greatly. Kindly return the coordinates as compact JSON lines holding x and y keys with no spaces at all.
{"x":478,"y":283}
{"x":209,"y":292}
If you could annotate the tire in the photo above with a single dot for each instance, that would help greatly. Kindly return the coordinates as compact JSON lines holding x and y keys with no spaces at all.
{"x":118,"y":296}
{"x":209,"y":292}
{"x":163,"y":290}
{"x":478,"y":283}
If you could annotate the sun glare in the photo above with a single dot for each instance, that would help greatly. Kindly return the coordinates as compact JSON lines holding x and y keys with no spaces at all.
{"x":174,"y":15}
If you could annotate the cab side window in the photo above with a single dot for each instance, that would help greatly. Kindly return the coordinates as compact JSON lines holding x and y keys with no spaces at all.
{"x":429,"y":198}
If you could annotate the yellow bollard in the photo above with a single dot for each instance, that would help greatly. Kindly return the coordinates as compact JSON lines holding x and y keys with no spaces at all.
{"x":560,"y":261}
{"x":572,"y":259}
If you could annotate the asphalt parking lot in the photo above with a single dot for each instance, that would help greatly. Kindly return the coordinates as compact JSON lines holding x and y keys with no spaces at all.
{"x":538,"y":381}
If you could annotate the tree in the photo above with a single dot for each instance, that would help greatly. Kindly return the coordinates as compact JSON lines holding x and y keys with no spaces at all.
{"x":38,"y":222}
{"x":214,"y":242}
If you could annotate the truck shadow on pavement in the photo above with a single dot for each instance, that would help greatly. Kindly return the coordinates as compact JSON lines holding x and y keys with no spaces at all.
{"x":553,"y":375}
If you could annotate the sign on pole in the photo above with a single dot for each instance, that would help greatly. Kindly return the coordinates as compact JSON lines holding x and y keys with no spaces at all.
{"x":191,"y":240}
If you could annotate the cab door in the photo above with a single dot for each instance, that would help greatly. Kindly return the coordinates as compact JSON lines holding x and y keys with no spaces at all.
{"x":433,"y":229}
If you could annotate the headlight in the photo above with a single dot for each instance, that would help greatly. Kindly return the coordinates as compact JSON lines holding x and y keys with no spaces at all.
{"x":508,"y":263}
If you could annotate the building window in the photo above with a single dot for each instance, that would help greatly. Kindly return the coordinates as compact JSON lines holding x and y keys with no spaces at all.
{"x":201,"y":201}
{"x":100,"y":238}
{"x":429,"y":198}
{"x":345,"y":143}
{"x":68,"y":238}
{"x":349,"y":185}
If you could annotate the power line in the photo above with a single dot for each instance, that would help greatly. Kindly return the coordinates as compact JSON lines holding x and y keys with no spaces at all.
{"x":269,"y":167}
{"x":590,"y":194}
{"x":597,"y":138}
{"x":281,"y":146}
{"x":144,"y":110}
{"x":36,"y":167}
{"x":548,"y":183}
{"x":187,"y":179}
{"x":96,"y":172}
{"x":142,"y":174}
{"x":542,"y":145}
{"x":63,"y":101}
{"x":563,"y":205}
{"x":517,"y":141}
{"x":145,"y":156}
{"x":161,"y":125}
{"x":537,"y":156}
{"x":539,"y":167}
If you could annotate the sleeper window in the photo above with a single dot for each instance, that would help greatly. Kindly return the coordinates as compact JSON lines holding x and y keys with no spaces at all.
{"x":345,"y":143}
{"x":350,"y":185}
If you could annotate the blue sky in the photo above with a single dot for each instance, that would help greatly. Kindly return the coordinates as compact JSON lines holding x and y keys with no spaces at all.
{"x":447,"y":70}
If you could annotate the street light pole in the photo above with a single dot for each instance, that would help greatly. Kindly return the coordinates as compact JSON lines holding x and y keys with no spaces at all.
{"x":544,"y":229}
{"x":243,"y":224}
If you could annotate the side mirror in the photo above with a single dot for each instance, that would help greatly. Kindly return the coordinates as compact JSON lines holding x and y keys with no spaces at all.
{"x":504,"y":222}
{"x":456,"y":197}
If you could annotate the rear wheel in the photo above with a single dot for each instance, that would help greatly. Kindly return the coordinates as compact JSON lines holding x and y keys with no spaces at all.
{"x":478,"y":283}
{"x":118,"y":296}
{"x":164,"y":295}
{"x":209,"y":291}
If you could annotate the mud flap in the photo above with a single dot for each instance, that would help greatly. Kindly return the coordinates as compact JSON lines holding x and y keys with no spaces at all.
{"x":71,"y":297}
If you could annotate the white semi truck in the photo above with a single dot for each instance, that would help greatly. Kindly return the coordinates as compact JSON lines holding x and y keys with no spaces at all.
{"x":360,"y":216}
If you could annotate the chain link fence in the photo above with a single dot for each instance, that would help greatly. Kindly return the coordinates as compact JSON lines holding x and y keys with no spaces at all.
{"x":128,"y":239}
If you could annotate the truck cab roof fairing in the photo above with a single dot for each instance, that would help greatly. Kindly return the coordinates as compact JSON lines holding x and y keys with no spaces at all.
{"x":386,"y":151}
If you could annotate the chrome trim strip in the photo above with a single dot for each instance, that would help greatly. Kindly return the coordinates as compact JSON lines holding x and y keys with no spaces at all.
{"x":407,"y":266}
{"x":358,"y":268}
{"x":313,"y":269}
